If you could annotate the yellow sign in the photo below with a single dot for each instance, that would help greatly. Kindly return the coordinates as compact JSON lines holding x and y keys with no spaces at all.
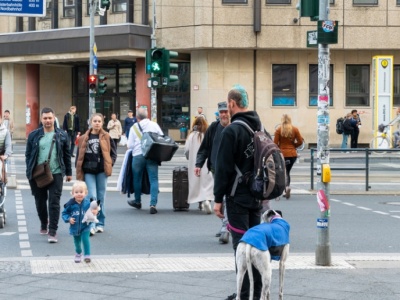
{"x":95,"y":49}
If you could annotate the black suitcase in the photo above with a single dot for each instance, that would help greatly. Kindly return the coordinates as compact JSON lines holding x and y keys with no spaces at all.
{"x":180,"y":188}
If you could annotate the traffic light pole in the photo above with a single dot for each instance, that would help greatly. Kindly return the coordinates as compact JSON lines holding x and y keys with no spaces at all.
{"x":92,"y":10}
{"x":153,"y":96}
{"x":323,"y":249}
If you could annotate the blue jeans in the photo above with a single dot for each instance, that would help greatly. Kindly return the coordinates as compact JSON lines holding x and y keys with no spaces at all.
{"x":138,"y":165}
{"x":344,"y":141}
{"x":97,"y":184}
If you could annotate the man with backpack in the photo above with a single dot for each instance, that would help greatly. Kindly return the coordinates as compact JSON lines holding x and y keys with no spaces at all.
{"x":236,"y":148}
{"x":347,"y":130}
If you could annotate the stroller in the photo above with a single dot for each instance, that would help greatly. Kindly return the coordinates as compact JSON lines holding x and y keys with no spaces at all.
{"x":3,"y":191}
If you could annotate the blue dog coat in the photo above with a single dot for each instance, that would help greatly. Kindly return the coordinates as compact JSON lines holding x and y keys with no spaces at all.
{"x":276,"y":236}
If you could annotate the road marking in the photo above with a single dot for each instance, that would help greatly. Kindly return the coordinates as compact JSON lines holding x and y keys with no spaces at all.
{"x":7,"y":233}
{"x":398,"y":217}
{"x":348,"y":204}
{"x":380,"y":212}
{"x":24,"y":243}
{"x":364,"y":208}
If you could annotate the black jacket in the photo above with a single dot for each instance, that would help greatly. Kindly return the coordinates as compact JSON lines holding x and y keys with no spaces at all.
{"x":236,"y":148}
{"x":76,"y":122}
{"x":347,"y":127}
{"x":62,"y":146}
{"x":206,"y":146}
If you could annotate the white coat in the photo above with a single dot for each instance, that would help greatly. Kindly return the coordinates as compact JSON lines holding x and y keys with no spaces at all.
{"x":200,"y":188}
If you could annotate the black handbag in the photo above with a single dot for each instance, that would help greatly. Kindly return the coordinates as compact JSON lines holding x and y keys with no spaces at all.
{"x":42,"y":173}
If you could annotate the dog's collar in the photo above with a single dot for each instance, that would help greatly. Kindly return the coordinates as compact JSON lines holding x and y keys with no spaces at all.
{"x":275,"y":217}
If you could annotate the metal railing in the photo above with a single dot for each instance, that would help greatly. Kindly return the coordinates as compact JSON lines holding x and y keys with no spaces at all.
{"x":367,"y":152}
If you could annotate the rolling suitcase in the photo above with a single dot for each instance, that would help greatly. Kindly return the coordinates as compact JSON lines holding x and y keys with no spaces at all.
{"x":180,"y":188}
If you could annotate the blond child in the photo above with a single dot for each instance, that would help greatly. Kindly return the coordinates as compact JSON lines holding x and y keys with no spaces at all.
{"x":73,"y":213}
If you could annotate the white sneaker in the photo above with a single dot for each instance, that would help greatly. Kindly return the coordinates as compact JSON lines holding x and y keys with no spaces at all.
{"x":92,"y":231}
{"x":99,"y":229}
{"x":207,"y":206}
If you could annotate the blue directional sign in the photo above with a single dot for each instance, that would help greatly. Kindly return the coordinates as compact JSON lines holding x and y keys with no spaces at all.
{"x":30,"y":8}
{"x":95,"y":61}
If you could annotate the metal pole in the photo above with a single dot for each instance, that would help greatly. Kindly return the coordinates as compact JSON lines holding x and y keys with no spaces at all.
{"x":323,"y":249}
{"x":153,"y":98}
{"x":92,"y":10}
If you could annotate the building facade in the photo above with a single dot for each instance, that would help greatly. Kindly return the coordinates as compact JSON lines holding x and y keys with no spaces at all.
{"x":260,"y":44}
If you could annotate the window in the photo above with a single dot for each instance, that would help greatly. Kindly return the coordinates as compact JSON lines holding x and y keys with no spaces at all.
{"x":284,"y":85}
{"x":69,"y":8}
{"x":331,"y":1}
{"x":396,"y":85}
{"x":49,"y":9}
{"x":234,"y":1}
{"x":365,"y":2}
{"x":119,"y":5}
{"x":357,"y":85}
{"x":397,"y":2}
{"x":313,"y":85}
{"x":279,"y":1}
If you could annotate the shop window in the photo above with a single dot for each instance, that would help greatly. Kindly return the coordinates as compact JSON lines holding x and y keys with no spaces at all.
{"x":365,"y":2}
{"x":284,"y":85}
{"x":234,"y":1}
{"x":396,"y":85}
{"x":357,"y":85}
{"x":313,"y":85}
{"x":69,"y":8}
{"x":279,"y":1}
{"x":119,"y":5}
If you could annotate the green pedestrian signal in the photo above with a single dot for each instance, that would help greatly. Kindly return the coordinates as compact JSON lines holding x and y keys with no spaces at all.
{"x":101,"y":86}
{"x":105,"y":4}
{"x":158,"y":63}
{"x":154,"y":59}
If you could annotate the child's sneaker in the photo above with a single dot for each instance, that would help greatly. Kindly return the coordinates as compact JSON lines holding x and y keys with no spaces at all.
{"x":78,"y":258}
{"x":87,"y":259}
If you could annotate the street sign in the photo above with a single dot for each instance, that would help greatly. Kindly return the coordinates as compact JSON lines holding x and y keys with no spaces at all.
{"x":312,"y":38}
{"x":95,"y":49}
{"x":95,"y":62}
{"x":30,"y":8}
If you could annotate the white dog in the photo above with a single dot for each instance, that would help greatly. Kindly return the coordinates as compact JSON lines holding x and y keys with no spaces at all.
{"x":260,"y":244}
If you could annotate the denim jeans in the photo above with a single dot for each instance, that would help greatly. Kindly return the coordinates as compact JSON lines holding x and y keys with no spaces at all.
{"x":97,"y":184}
{"x":344,"y":141}
{"x":48,"y":213}
{"x":138,"y":165}
{"x":72,"y":137}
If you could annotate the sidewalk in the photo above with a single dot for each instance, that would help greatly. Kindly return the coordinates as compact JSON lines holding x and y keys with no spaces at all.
{"x":194,"y":277}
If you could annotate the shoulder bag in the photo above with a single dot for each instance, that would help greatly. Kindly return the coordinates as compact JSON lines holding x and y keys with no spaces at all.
{"x":42,"y":173}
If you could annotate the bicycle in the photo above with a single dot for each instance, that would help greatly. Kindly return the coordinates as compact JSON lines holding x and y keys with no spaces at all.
{"x":382,"y":140}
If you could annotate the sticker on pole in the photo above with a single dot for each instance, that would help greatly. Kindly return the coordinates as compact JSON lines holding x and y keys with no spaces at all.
{"x":322,"y":223}
{"x":322,"y":201}
{"x":328,"y":26}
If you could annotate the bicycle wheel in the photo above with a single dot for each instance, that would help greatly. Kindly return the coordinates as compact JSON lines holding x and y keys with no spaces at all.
{"x":378,"y":143}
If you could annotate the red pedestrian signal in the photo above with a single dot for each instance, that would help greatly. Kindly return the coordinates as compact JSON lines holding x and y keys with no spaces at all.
{"x":92,"y":79}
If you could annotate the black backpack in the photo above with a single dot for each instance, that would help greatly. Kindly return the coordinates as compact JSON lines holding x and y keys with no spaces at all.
{"x":268,"y":179}
{"x":339,"y":126}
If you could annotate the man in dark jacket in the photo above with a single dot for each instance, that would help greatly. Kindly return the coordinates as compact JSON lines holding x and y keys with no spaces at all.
{"x":347,"y":130}
{"x":37,"y":151}
{"x":237,"y":148}
{"x":208,"y":151}
{"x":71,"y":126}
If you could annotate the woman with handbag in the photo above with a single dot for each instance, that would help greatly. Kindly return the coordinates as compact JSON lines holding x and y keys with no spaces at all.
{"x":96,"y":156}
{"x":288,"y":138}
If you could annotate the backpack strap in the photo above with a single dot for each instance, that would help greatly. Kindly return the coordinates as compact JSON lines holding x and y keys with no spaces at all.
{"x":235,"y":183}
{"x":139,"y":135}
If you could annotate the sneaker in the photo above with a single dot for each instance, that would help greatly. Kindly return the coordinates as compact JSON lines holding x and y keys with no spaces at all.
{"x":99,"y":229}
{"x":92,"y":231}
{"x":218,"y":234}
{"x":135,"y":204}
{"x":153,"y":210}
{"x":207,"y":206}
{"x":231,"y":297}
{"x":52,"y":238}
{"x":77,"y":258}
{"x":224,"y":238}
{"x":87,"y":259}
{"x":43,"y":231}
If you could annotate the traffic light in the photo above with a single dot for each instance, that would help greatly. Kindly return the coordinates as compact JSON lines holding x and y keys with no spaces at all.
{"x":169,"y":67}
{"x":105,"y":4}
{"x":309,"y":8}
{"x":92,"y":85}
{"x":154,"y":61}
{"x":102,"y":86}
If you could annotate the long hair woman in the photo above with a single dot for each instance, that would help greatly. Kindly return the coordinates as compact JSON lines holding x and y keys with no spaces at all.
{"x":200,"y":188}
{"x":288,"y":138}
